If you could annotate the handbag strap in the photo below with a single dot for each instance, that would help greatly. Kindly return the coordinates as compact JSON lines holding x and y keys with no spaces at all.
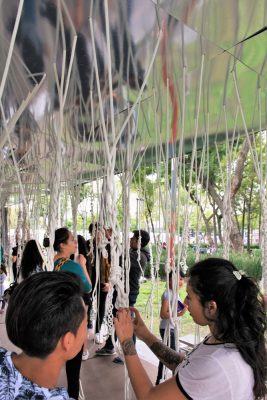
{"x":60,"y":264}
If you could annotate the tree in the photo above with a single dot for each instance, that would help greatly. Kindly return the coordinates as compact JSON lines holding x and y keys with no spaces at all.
{"x":213,"y":184}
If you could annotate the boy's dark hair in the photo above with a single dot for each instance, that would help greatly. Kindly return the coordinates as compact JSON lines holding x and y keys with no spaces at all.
{"x":42,"y":309}
{"x":46,"y":242}
{"x":3,"y":268}
{"x":92,"y":226}
{"x":145,"y":238}
{"x":82,"y":246}
{"x":181,"y":274}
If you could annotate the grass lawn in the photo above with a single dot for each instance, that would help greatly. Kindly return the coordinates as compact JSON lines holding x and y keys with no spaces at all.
{"x":149,"y":302}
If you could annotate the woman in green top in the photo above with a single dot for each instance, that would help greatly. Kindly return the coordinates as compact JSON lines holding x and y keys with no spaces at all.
{"x":65,"y":245}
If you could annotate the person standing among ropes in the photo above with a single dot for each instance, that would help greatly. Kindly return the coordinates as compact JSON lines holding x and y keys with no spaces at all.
{"x":103,"y":285}
{"x":3,"y":275}
{"x":83,"y":259}
{"x":14,"y":261}
{"x":139,"y":257}
{"x":31,"y":261}
{"x":166,"y":301}
{"x":65,"y":245}
{"x":230,"y":363}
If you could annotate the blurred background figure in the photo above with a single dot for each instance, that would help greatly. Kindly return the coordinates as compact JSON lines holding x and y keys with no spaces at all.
{"x":98,"y":259}
{"x":82,"y":258}
{"x":65,"y":245}
{"x":3,"y":275}
{"x":165,"y":321}
{"x":31,"y":260}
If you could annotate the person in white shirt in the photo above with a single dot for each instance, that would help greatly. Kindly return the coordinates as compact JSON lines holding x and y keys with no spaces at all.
{"x":231,"y":361}
{"x":3,"y":275}
{"x":166,"y":326}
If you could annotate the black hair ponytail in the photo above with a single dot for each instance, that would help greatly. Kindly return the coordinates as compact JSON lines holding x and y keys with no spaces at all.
{"x":249,"y":330}
{"x":240,"y":316}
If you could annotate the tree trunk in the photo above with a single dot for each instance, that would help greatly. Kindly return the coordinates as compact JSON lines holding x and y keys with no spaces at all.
{"x":214,"y":222}
{"x":249,"y":216}
{"x":219,"y":222}
{"x":235,"y":237}
{"x":243,"y":218}
{"x":205,"y":219}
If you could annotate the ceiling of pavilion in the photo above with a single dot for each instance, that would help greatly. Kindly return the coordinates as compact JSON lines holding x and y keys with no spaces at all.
{"x":175,"y":69}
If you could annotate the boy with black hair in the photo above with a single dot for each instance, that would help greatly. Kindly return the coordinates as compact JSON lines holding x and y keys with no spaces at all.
{"x":46,"y":319}
{"x":137,"y":265}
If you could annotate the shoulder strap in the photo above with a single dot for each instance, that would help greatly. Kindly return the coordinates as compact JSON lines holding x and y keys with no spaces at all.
{"x":60,"y":264}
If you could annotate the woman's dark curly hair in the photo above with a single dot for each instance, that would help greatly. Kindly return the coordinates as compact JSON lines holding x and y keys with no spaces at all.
{"x":240,"y":315}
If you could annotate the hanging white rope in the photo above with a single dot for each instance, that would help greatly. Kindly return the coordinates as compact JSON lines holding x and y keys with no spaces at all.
{"x":11,"y":48}
{"x":261,"y":178}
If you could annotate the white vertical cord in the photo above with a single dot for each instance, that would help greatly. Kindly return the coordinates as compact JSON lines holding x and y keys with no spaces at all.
{"x":11,"y":48}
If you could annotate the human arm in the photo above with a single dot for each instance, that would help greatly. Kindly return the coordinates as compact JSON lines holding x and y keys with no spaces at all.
{"x":142,"y":386}
{"x":82,"y":261}
{"x":165,"y":310}
{"x":170,"y":358}
{"x":76,"y":268}
{"x":106,"y":287}
{"x":78,"y":17}
{"x":14,"y":255}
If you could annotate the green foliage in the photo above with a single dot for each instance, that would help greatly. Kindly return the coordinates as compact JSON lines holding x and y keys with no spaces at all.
{"x":86,"y":191}
{"x":149,"y":308}
{"x":248,"y":263}
{"x":163,"y":257}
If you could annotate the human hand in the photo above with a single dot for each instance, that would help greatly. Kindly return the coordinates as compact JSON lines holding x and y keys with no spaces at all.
{"x":105,"y":287}
{"x":140,"y":328}
{"x":124,"y":324}
{"x":183,"y":311}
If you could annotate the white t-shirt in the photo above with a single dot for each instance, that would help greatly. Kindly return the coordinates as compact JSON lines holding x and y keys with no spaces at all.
{"x":167,"y":295}
{"x":2,"y":280}
{"x":215,"y":372}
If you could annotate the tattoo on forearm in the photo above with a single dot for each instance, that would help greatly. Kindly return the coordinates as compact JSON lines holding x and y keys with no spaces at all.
{"x":128,"y":347}
{"x":167,"y":356}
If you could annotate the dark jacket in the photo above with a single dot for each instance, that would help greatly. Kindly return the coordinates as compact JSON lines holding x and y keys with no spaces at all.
{"x":136,"y":270}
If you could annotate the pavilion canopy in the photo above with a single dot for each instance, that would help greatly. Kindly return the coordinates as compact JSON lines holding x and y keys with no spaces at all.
{"x":146,"y":75}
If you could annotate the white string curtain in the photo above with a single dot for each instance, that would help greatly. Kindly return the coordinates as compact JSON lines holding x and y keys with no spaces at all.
{"x":94,"y":152}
